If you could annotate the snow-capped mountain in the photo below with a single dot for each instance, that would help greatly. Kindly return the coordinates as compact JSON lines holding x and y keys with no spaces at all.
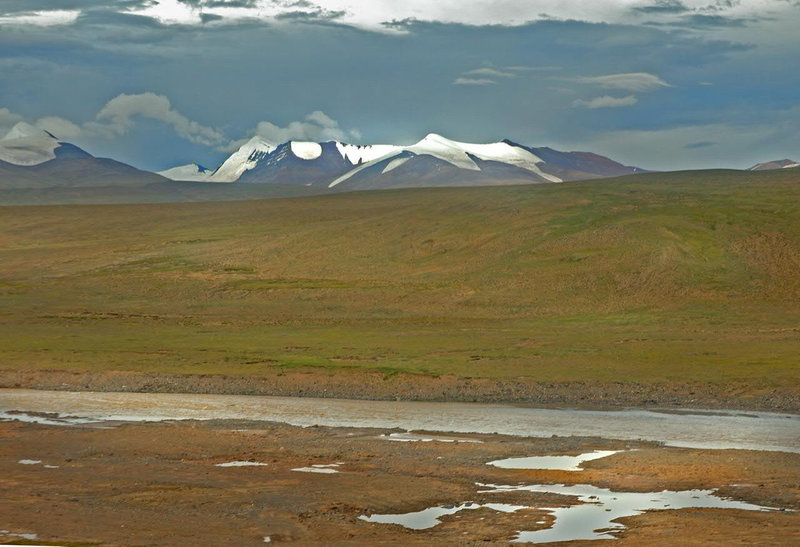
{"x":299,"y":163}
{"x":247,"y":157}
{"x":776,"y":164}
{"x":190,"y":172}
{"x":433,"y":161}
{"x":33,"y":158}
{"x":26,"y":145}
{"x":464,"y":156}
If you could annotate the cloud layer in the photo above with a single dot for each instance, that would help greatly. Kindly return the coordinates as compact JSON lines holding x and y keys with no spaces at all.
{"x":120,"y":115}
{"x":383,"y":15}
{"x":156,"y":83}
{"x":606,"y":101}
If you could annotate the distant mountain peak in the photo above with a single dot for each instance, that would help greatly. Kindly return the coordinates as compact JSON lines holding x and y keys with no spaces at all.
{"x":28,"y":145}
{"x":245,"y":158}
{"x":776,"y":164}
{"x":190,"y":172}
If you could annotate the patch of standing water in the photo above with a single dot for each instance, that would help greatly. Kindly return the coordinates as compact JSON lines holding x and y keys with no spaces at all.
{"x":15,"y":416}
{"x":560,"y":463}
{"x":593,"y":518}
{"x":240,"y":464}
{"x":29,"y":537}
{"x":409,"y":437}
{"x":428,"y":518}
{"x":319,"y":468}
{"x":30,"y":462}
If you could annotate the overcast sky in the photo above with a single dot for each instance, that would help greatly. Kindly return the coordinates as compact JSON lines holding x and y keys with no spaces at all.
{"x":663,"y":84}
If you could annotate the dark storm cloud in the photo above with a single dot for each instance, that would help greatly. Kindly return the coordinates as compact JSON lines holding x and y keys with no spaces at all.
{"x":701,"y":144}
{"x":209,"y":17}
{"x":663,"y":6}
{"x":8,"y":7}
{"x":316,"y":16}
{"x":220,"y":3}
{"x":700,"y":20}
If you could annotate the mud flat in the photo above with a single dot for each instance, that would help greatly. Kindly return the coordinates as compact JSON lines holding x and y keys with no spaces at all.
{"x":236,"y":481}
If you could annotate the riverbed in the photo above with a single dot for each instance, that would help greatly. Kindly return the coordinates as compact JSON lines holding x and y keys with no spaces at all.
{"x":159,"y":469}
{"x":685,"y":428}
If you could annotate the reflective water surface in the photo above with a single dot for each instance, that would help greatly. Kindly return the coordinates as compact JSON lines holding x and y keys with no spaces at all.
{"x":694,"y":429}
{"x":561,"y":463}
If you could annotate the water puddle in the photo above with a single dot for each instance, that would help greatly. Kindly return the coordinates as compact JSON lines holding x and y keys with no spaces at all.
{"x":327,"y":468}
{"x":594,"y":517}
{"x":240,"y":464}
{"x":30,"y":462}
{"x":56,"y":419}
{"x":560,"y":463}
{"x":409,"y":437}
{"x":29,"y":537}
{"x":428,"y":518}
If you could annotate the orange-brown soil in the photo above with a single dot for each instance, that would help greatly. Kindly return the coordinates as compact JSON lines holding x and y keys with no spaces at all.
{"x":157,"y":484}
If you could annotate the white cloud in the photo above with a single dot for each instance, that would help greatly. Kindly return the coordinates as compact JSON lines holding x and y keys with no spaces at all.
{"x":61,"y":128}
{"x":606,"y":101}
{"x":524,"y":68}
{"x":632,"y":81}
{"x":119,"y":116}
{"x":43,"y":18}
{"x":473,"y":81}
{"x":7,"y":120}
{"x":170,"y":12}
{"x":374,"y":14}
{"x":490,"y":72}
{"x":316,"y":126}
{"x":378,"y":15}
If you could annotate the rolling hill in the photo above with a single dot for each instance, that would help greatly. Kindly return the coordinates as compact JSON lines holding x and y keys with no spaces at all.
{"x":686,"y":281}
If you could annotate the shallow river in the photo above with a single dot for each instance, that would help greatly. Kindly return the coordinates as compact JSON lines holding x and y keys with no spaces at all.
{"x":694,"y":429}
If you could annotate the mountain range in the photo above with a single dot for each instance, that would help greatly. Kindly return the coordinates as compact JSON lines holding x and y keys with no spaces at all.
{"x":433,"y":161}
{"x":38,"y":167}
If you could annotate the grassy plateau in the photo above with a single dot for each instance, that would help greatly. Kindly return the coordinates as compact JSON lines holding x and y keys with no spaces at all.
{"x":691,"y":276}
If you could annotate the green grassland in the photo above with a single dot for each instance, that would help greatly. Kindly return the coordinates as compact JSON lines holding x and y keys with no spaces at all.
{"x":689,"y":276}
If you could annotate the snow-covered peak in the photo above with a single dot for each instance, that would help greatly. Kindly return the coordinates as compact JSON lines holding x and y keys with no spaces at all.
{"x":191,"y":172}
{"x":358,"y":154}
{"x":242,"y":160}
{"x":456,"y":153}
{"x":306,"y":150}
{"x":23,"y":130}
{"x":27,"y":145}
{"x":775,"y":164}
{"x":438,"y":139}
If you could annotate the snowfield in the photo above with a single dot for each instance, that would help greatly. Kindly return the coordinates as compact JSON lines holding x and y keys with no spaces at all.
{"x":27,"y":145}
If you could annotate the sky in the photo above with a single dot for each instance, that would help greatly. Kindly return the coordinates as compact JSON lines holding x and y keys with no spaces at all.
{"x":661,"y":84}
